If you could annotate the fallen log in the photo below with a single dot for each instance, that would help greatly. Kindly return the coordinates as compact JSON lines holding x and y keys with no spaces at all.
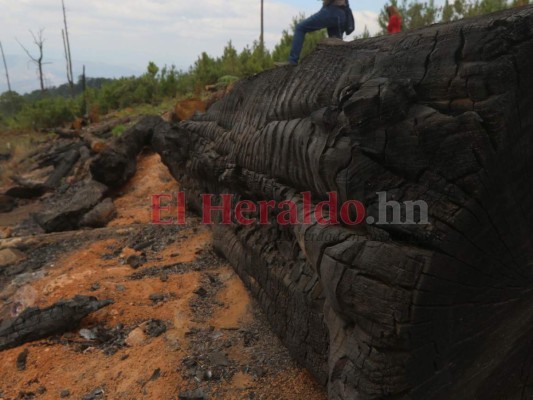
{"x":35,"y":323}
{"x":30,"y":242}
{"x":116,"y":164}
{"x":62,"y":168}
{"x":101,"y":129}
{"x":442,"y":310}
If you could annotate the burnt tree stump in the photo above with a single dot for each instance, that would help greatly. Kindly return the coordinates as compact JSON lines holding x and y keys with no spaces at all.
{"x":442,"y":114}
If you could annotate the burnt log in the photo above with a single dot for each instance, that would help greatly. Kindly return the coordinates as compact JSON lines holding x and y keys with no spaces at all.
{"x":91,"y":132}
{"x":116,"y":164}
{"x":62,"y":168}
{"x":35,"y":323}
{"x":436,"y":310}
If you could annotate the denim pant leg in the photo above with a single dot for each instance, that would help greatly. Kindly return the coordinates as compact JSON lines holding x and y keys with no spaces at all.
{"x":330,"y":17}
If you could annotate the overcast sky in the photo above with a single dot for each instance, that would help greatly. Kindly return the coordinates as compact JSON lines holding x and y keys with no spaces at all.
{"x":130,"y":33}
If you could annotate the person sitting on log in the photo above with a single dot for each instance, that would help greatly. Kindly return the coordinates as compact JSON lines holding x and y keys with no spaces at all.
{"x":395,"y":20}
{"x":332,"y":17}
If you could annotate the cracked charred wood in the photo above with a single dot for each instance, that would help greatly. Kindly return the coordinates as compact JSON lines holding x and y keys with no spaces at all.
{"x":47,"y":167}
{"x":62,"y":168}
{"x":35,"y":323}
{"x":442,"y":310}
{"x":115,"y":165}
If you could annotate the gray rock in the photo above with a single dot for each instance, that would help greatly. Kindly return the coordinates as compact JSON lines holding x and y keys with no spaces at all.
{"x":100,"y":215}
{"x":67,"y":214}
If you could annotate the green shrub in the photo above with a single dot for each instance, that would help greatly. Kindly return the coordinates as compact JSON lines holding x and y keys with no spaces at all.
{"x":48,"y":113}
{"x":118,"y":130}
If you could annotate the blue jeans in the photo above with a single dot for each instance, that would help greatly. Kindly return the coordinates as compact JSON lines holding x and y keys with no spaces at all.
{"x":331,"y":17}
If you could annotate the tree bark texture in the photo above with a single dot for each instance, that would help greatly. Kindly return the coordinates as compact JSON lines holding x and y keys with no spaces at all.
{"x":441,"y":114}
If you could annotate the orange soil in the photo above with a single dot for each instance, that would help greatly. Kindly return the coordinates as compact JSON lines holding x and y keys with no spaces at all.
{"x":125,"y":375}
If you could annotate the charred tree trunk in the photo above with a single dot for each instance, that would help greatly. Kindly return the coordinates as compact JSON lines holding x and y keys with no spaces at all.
{"x":442,"y":310}
{"x":115,"y":165}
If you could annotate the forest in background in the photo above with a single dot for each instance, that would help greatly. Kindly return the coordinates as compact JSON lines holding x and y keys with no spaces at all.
{"x":55,"y":106}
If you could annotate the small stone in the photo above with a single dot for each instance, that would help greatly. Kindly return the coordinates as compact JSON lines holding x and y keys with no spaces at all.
{"x":208,"y":375}
{"x":95,"y":394}
{"x":135,"y":338}
{"x":155,"y":328}
{"x":95,"y":287}
{"x":41,"y":390}
{"x":21,"y":360}
{"x":64,"y":393}
{"x":158,"y":297}
{"x":156,"y":375}
{"x":164,"y":278}
{"x":88,"y":334}
{"x":120,"y":288}
{"x":201,"y":292}
{"x":134,"y":261}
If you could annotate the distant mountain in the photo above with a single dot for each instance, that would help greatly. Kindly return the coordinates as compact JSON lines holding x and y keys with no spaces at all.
{"x":24,"y":78}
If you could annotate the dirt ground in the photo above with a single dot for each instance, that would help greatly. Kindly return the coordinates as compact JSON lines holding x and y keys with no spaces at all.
{"x":181,"y":320}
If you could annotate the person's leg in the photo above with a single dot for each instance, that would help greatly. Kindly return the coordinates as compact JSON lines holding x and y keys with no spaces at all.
{"x":325,"y":18}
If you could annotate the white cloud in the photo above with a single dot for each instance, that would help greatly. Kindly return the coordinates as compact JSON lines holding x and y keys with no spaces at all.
{"x":133,"y":32}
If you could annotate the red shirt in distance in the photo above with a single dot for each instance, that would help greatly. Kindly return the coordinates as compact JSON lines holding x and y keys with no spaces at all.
{"x":395,"y":24}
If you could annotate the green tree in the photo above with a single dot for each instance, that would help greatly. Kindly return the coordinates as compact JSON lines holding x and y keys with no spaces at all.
{"x":152,"y":69}
{"x":11,"y":103}
{"x":230,"y":60}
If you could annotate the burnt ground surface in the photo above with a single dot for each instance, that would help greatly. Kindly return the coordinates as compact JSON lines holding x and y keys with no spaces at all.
{"x":181,"y":324}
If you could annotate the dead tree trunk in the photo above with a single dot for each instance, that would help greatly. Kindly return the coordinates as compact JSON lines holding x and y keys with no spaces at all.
{"x":5,"y":67}
{"x":66,"y":45}
{"x":442,"y":310}
{"x":38,"y":40}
